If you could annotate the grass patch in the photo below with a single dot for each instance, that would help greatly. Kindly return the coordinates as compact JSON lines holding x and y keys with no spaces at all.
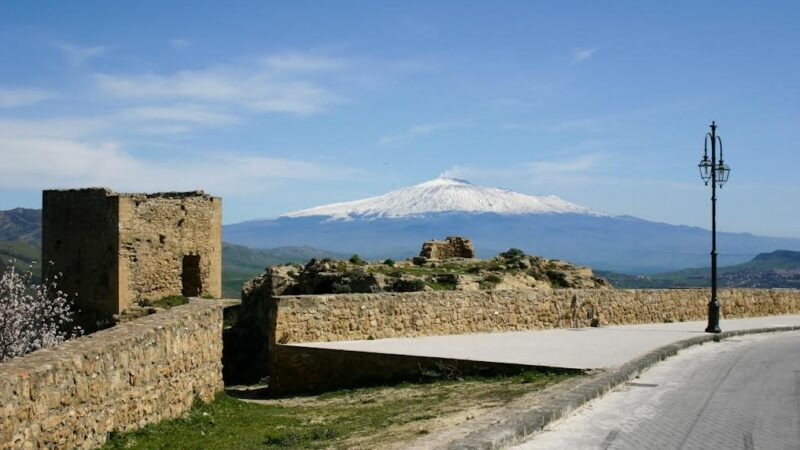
{"x":490,"y":281}
{"x":441,"y":286}
{"x":349,"y":419}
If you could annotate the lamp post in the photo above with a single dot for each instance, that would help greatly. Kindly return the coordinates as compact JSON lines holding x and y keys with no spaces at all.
{"x":717,"y":173}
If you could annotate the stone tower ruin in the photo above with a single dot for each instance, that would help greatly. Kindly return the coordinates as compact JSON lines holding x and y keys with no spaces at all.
{"x":452,"y":247}
{"x":116,"y":249}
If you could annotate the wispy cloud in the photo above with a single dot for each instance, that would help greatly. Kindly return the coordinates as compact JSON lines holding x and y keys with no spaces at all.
{"x":304,"y":62}
{"x":32,"y":155}
{"x":579,"y":164}
{"x":605,"y":122}
{"x":420,"y":130}
{"x":185,"y":113}
{"x":582,"y":54}
{"x":77,"y":55}
{"x":166,"y":119}
{"x":267,"y":85}
{"x":16,"y":97}
{"x":551,"y":168}
{"x":56,"y":127}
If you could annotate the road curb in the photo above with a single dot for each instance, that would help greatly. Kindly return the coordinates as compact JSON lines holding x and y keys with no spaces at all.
{"x":511,"y":431}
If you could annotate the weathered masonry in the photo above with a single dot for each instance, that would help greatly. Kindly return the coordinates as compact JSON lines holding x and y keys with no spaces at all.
{"x":266,"y":323}
{"x":140,"y":372}
{"x":115,"y":249}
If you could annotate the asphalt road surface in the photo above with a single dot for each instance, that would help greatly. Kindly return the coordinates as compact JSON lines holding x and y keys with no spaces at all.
{"x":741,"y":393}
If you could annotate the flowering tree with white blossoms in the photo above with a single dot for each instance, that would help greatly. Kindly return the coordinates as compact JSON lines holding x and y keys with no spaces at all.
{"x":32,"y":316}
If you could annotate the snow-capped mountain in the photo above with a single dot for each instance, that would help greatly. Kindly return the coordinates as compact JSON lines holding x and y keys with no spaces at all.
{"x":444,"y":195}
{"x":395,"y":224}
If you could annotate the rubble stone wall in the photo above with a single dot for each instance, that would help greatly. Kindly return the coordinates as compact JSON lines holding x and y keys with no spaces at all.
{"x":372,"y":316}
{"x":122,"y":378}
{"x":157,"y":232}
{"x":452,"y":247}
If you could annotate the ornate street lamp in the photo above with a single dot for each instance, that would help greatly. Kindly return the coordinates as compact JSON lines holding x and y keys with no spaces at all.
{"x":717,"y":173}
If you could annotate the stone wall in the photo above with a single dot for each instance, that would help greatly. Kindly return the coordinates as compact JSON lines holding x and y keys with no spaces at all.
{"x":80,"y":240}
{"x":115,"y":249}
{"x":158,"y":232}
{"x":373,"y":316}
{"x":122,"y":378}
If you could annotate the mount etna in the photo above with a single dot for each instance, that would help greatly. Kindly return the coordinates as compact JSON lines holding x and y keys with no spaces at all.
{"x":394,"y":224}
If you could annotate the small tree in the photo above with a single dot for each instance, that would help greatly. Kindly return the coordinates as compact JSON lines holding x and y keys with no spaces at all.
{"x":32,"y":316}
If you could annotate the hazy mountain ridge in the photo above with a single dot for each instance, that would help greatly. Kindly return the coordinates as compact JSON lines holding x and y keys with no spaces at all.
{"x":20,"y":241}
{"x":21,"y":225}
{"x":617,"y":243}
{"x":780,"y":268}
{"x":621,"y":244}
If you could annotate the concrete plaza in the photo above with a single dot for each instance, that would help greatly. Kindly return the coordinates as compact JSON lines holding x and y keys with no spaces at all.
{"x":574,"y":348}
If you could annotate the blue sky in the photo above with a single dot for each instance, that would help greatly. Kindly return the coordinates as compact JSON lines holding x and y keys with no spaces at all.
{"x":283,"y":106}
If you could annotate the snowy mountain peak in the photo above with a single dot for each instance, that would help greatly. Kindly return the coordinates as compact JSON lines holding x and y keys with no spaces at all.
{"x":444,"y":194}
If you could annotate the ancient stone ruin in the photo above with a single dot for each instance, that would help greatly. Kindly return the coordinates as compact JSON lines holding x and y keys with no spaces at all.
{"x":115,"y":249}
{"x":451,"y":247}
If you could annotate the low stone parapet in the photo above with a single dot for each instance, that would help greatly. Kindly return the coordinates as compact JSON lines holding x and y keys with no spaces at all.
{"x":122,"y":378}
{"x":320,"y":318}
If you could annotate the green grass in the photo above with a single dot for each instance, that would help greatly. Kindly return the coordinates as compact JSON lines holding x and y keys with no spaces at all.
{"x":437,"y":286}
{"x":359,"y":418}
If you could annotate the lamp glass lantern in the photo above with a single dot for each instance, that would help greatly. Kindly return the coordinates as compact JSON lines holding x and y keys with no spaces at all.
{"x":705,"y":169}
{"x":723,"y":171}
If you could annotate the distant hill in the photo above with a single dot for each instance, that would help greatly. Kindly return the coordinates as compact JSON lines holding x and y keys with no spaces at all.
{"x":778,"y":269}
{"x":21,"y":240}
{"x":21,"y":225}
{"x":22,"y":254}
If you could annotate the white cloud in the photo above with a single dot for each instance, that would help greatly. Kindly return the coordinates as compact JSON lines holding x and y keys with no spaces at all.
{"x":582,"y":54}
{"x":57,"y":127}
{"x":67,"y":152}
{"x":36,"y":161}
{"x":166,"y":119}
{"x":49,"y":162}
{"x":265,"y":86}
{"x":187,"y":113}
{"x":580,"y":164}
{"x":77,"y":55}
{"x":186,"y":84}
{"x":544,"y":169}
{"x":420,"y":130}
{"x":606,"y":122}
{"x":15,"y":97}
{"x":304,"y":62}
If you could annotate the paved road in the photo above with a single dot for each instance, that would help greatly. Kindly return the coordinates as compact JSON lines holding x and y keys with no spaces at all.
{"x":580,"y":348}
{"x":742,"y":393}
